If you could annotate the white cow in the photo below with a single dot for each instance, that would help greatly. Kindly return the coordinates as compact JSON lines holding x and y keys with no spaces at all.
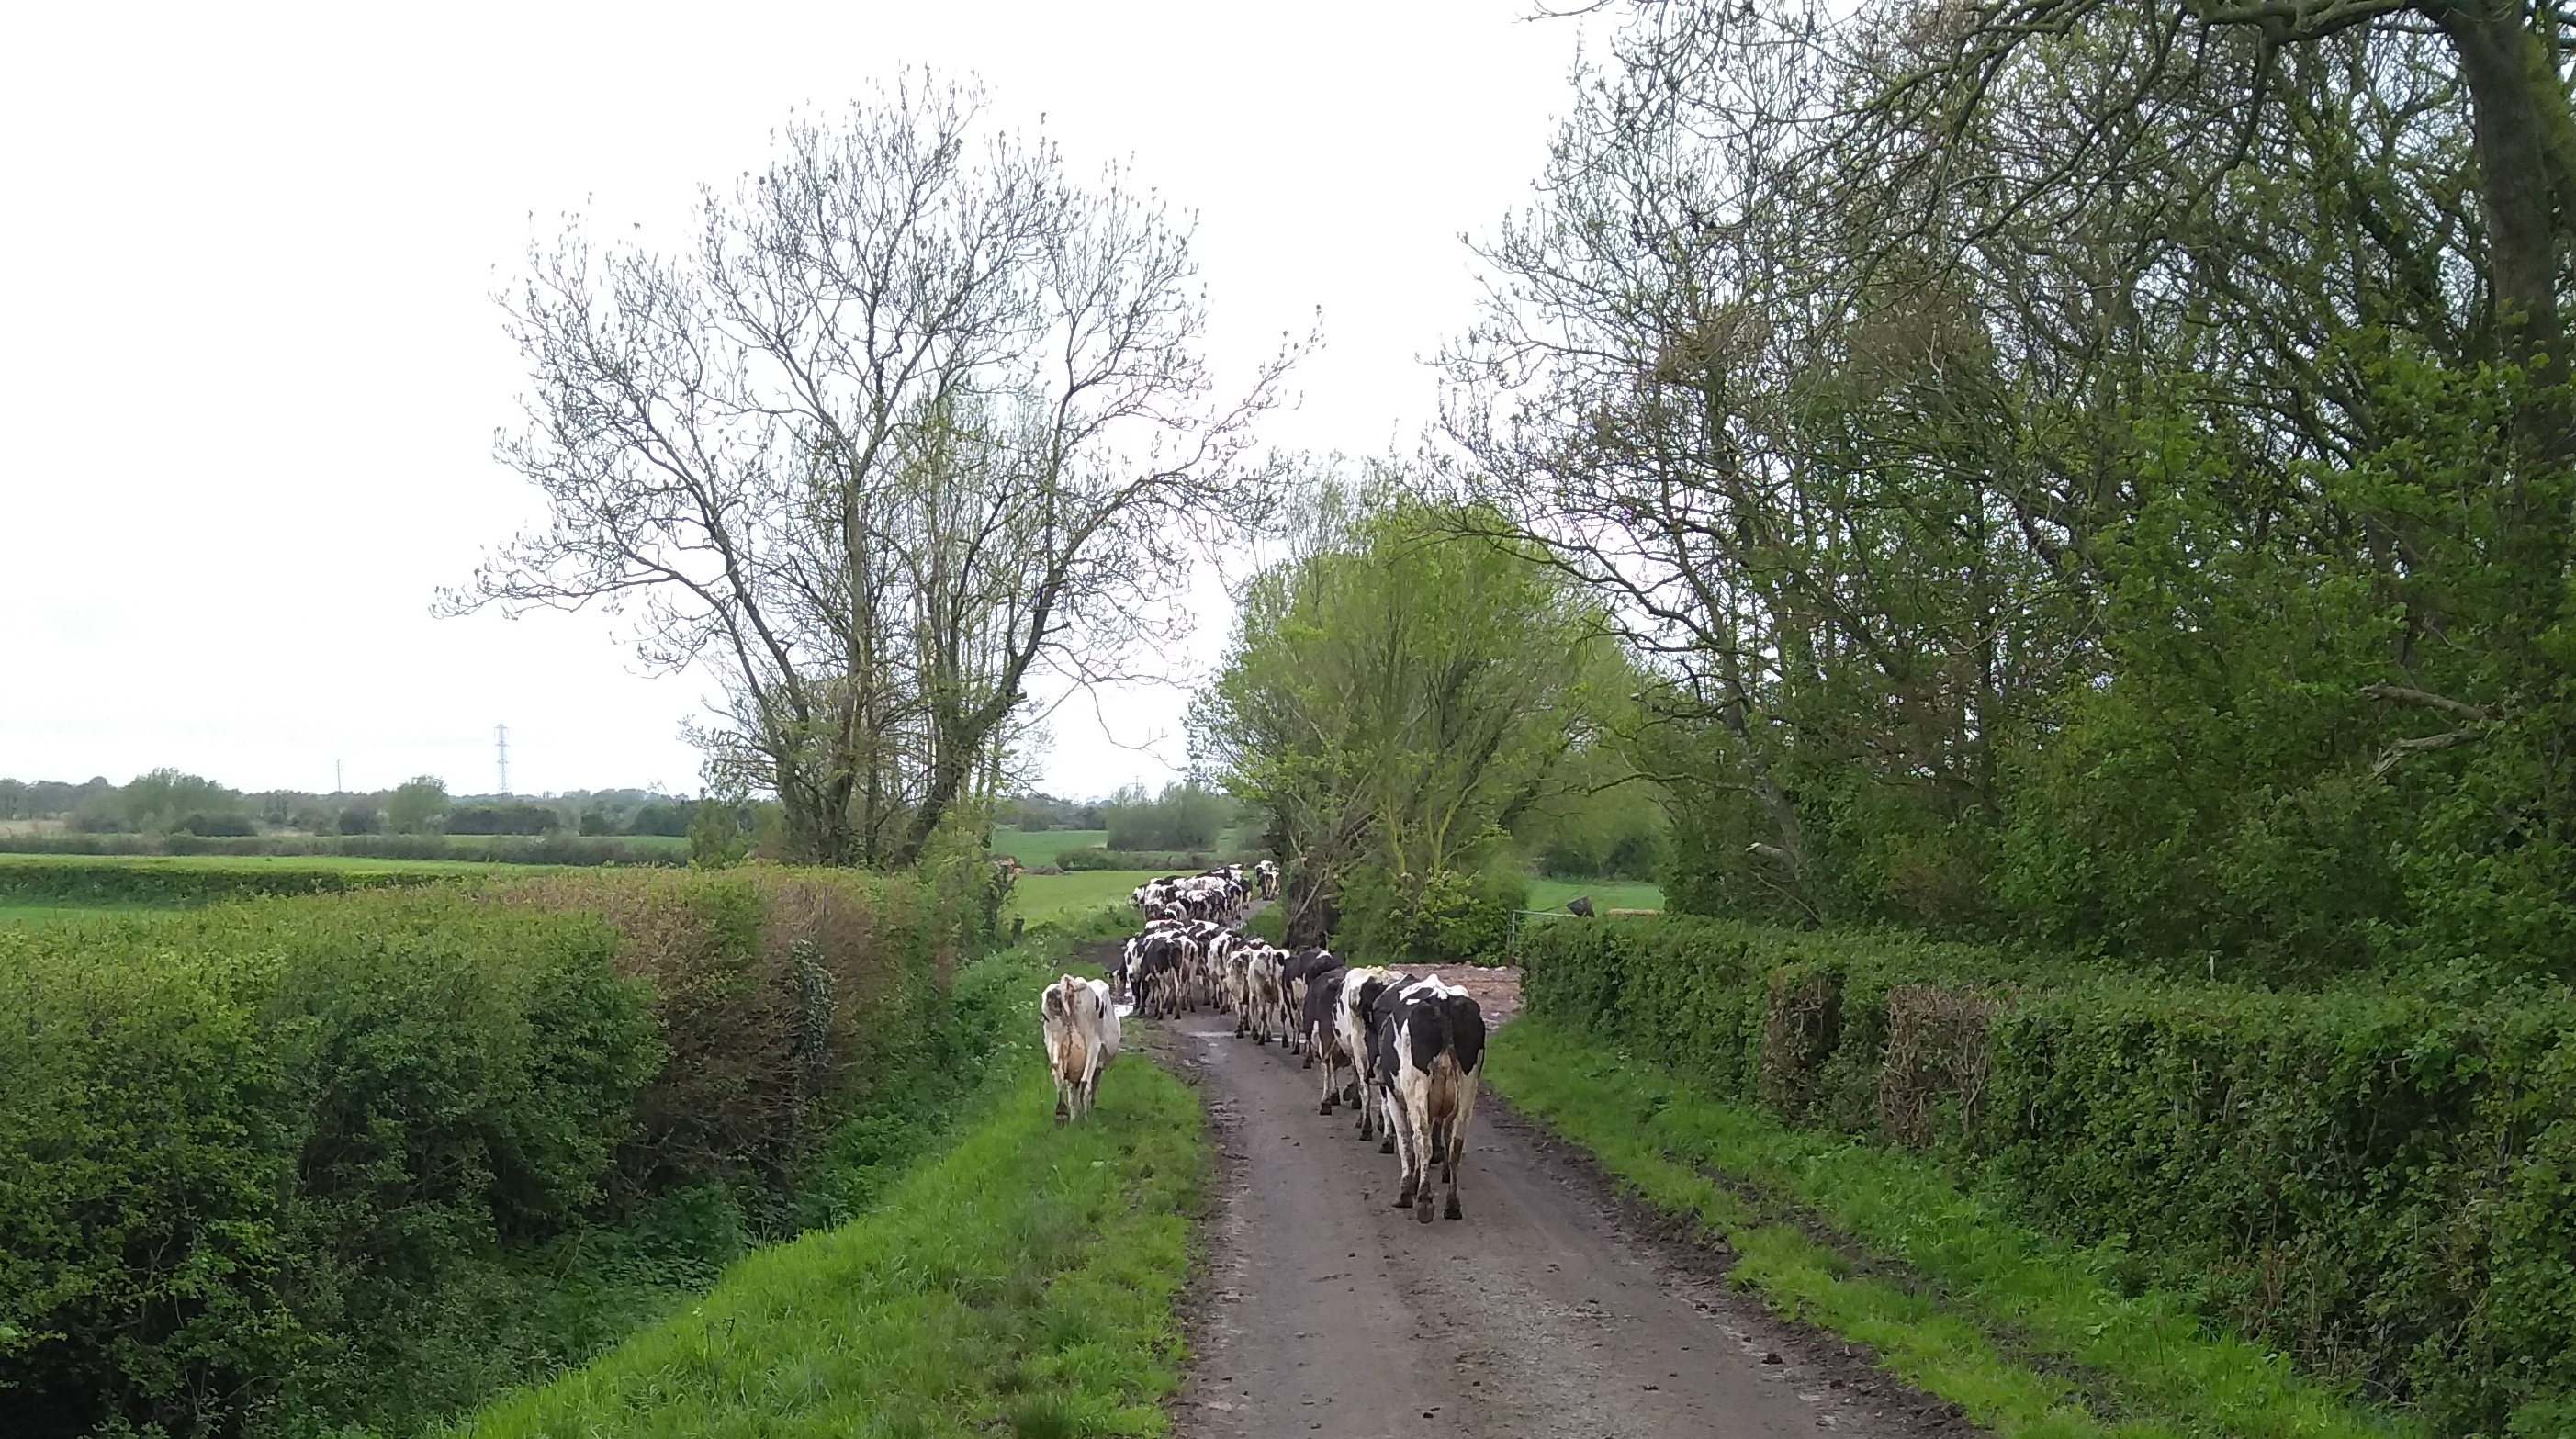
{"x":1081,"y":1027}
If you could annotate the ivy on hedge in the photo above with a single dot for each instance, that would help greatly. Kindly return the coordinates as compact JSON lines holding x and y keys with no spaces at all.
{"x":2381,"y":1185}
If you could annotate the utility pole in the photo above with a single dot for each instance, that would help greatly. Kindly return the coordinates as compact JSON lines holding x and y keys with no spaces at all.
{"x":338,"y":785}
{"x":501,"y":755}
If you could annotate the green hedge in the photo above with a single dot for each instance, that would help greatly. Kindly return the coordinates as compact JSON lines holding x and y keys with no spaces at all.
{"x":2381,"y":1186}
{"x":557,"y":848}
{"x":149,"y":881}
{"x":253,"y":1157}
{"x":1157,"y":860}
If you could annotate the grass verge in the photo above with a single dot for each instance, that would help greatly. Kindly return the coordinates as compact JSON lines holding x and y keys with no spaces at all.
{"x":1883,"y":1248}
{"x":1023,"y":1282}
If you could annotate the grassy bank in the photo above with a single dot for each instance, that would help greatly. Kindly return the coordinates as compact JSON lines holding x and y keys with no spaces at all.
{"x":1024,"y":1281}
{"x":1879,"y":1246}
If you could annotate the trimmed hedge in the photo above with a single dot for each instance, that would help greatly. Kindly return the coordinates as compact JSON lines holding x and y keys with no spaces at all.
{"x":246,"y":1148}
{"x":1161,"y":861}
{"x":2382,"y":1186}
{"x":556,"y":848}
{"x":147,"y":881}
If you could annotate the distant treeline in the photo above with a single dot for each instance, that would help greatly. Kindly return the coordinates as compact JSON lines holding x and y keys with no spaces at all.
{"x":168,"y":802}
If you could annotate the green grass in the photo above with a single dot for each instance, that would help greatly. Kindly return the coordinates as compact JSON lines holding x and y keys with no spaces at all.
{"x":2015,"y":1314}
{"x":1024,"y":1283}
{"x":1041,"y":846}
{"x":1039,"y":898}
{"x":1607,"y":894}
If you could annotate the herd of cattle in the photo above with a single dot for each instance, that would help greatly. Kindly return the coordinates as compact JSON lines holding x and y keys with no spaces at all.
{"x":1412,"y":1046}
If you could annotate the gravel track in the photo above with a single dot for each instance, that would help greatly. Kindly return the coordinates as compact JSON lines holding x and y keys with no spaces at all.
{"x":1555,"y":1308}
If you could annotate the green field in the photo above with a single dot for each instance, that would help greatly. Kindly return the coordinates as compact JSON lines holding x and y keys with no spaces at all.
{"x":1038,"y":898}
{"x":1606,"y":894}
{"x":1041,"y":846}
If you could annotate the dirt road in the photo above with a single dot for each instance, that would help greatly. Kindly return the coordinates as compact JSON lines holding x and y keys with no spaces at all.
{"x":1548,"y":1311}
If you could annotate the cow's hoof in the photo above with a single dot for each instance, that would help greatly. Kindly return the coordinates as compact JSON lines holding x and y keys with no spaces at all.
{"x":1324,"y":1108}
{"x":1350,"y":1094}
{"x":1386,"y":1146}
{"x":1310,"y":1060}
{"x":1060,"y":1115}
{"x":1422,"y":1210}
{"x":1452,"y":1212}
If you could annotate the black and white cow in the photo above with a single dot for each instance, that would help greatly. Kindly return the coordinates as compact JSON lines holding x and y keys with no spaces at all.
{"x":1292,"y":983}
{"x":1431,"y":1047}
{"x":1324,"y":1040}
{"x":1266,"y":875}
{"x":1265,"y":1004}
{"x":1352,"y":1021}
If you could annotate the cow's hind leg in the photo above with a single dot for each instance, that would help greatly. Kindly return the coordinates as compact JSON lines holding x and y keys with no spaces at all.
{"x":1423,"y":1130}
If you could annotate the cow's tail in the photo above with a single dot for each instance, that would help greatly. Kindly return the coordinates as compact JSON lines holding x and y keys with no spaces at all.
{"x":1447,"y":1080}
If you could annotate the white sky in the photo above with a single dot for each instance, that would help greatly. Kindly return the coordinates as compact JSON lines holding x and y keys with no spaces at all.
{"x":250,"y":367}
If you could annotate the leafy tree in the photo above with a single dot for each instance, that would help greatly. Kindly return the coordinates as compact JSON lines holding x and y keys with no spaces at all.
{"x":2088,"y":469}
{"x":1394,"y":697}
{"x":414,"y":806}
{"x":1183,"y":817}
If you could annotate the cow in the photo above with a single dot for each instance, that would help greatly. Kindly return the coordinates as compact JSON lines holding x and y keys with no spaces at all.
{"x":1266,"y":874}
{"x":1265,"y":993}
{"x":1292,"y":987}
{"x":1351,"y":1017}
{"x":1156,"y":971}
{"x":1081,"y":1028}
{"x":1432,"y":1041}
{"x":1323,"y":1029}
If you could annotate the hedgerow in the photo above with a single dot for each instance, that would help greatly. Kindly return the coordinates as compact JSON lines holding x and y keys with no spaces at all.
{"x":2382,"y":1186}
{"x":160,"y":881}
{"x":282,"y":1165}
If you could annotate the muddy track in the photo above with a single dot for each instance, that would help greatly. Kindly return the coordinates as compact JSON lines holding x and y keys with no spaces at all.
{"x":1555,"y":1308}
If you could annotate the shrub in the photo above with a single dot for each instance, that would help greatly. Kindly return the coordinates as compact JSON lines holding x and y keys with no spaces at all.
{"x":1182,"y":817}
{"x":768,"y":987}
{"x":225,"y":1137}
{"x":2383,"y":1186}
{"x":514,"y":818}
{"x":259,"y":1162}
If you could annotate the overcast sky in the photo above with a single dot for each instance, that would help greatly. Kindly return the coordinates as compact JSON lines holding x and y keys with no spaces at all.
{"x":252,"y":367}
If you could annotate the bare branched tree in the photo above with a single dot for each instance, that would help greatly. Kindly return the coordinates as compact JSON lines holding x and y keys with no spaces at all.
{"x":913,"y":416}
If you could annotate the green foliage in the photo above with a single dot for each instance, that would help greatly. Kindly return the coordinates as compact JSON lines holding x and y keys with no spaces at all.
{"x":2374,"y":1184}
{"x":2030,"y":1335}
{"x":282,"y":1165}
{"x":1024,"y":1283}
{"x":160,"y":881}
{"x":717,"y":834}
{"x":1183,"y":817}
{"x":234,"y":1138}
{"x":1394,"y":697}
{"x":1159,"y":861}
{"x":1448,"y":918}
{"x":415,"y":805}
{"x":517,"y":818}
